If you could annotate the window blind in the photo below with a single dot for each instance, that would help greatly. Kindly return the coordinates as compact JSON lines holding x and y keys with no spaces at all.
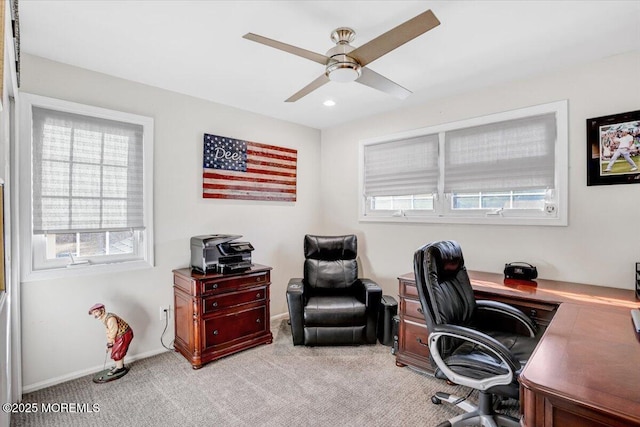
{"x":400,"y":168}
{"x":510,"y":155}
{"x":87,"y":173}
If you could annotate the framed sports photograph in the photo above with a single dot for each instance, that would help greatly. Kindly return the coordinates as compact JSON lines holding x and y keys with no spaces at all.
{"x":613,"y":149}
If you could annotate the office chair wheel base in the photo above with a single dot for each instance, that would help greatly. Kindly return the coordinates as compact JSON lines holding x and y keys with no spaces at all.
{"x":435,"y":400}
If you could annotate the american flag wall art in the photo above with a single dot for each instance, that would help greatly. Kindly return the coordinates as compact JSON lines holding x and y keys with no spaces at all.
{"x":237,"y":169}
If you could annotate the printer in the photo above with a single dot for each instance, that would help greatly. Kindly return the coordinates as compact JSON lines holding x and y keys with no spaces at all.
{"x":220,"y":253}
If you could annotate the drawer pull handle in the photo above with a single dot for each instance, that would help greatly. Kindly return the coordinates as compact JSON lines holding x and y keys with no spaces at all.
{"x":534,"y":313}
{"x":258,"y":295}
{"x":214,"y":286}
{"x":258,"y":320}
{"x":420,"y":310}
{"x":214,"y":304}
{"x":215,"y":332}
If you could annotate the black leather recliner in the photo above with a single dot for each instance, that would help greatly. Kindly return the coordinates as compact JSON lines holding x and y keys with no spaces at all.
{"x":331,"y":305}
{"x":467,"y":343}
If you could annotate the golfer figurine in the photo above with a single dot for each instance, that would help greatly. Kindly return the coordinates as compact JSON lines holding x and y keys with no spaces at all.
{"x":119,"y":336}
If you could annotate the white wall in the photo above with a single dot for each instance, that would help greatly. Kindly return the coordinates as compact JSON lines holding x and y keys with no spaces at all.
{"x":59,"y":339}
{"x":600,"y":245}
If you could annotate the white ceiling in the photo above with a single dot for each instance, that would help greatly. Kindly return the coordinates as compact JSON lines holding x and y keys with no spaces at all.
{"x":196,"y":47}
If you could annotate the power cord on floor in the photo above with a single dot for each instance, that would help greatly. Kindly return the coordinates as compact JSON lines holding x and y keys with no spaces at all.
{"x":166,"y":324}
{"x":462,"y":399}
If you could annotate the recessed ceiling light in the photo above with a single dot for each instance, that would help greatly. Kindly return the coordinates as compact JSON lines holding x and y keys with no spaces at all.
{"x":329,"y":103}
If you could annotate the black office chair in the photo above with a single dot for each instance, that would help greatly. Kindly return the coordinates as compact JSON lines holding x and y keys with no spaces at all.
{"x":331,"y":305}
{"x":465,"y":348}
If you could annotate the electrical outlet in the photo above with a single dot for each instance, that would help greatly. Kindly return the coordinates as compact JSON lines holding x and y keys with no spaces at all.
{"x":165,"y":312}
{"x":550,"y":208}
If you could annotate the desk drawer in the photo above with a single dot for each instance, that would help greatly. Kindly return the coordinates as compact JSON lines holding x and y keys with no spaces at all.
{"x":408,"y":289}
{"x":409,"y":334}
{"x":540,"y":312}
{"x":221,"y":301}
{"x":411,"y":308}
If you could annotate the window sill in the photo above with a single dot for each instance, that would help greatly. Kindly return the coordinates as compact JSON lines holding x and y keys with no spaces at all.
{"x":84,"y":270}
{"x":480,"y":220}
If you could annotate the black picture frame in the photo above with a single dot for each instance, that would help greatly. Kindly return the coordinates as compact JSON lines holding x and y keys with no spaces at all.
{"x":602,"y":134}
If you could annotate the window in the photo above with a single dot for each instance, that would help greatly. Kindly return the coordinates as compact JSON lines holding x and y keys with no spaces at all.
{"x":506,"y":168}
{"x":86,"y":183}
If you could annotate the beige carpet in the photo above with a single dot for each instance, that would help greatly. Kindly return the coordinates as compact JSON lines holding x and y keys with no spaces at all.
{"x":270,"y":385}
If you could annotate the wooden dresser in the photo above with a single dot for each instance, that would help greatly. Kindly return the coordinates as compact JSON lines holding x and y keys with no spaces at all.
{"x":220,"y":314}
{"x":539,"y":300}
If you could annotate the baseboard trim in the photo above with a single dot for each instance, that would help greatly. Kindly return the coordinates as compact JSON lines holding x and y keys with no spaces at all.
{"x":78,"y":374}
{"x":280,"y":316}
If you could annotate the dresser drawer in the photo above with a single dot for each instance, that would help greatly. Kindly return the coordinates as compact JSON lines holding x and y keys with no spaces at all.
{"x":227,"y":328}
{"x":229,"y":284}
{"x":221,"y":301}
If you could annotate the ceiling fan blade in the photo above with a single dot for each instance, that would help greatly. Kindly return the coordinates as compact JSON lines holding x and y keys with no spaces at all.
{"x":372,"y":79}
{"x":309,"y":88}
{"x":394,"y":38}
{"x":316,"y":57}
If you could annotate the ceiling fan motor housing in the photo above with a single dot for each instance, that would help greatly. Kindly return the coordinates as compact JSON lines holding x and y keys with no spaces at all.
{"x":341,"y":67}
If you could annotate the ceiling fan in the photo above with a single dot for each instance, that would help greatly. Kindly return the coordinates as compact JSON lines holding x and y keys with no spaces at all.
{"x":344,"y":63}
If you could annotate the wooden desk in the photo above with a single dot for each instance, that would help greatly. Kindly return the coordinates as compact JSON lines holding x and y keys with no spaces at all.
{"x":584,"y":372}
{"x":539,"y":301}
{"x":551,"y":291}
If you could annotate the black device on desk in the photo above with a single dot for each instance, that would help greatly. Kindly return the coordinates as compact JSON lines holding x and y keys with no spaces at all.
{"x":520,"y":271}
{"x":219,"y":253}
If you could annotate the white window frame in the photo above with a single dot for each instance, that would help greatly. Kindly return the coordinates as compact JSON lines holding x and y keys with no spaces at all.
{"x":34,"y":265}
{"x":555,"y":212}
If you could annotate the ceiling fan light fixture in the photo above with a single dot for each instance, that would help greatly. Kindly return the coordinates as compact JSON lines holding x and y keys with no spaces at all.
{"x":344,"y":71}
{"x":344,"y":75}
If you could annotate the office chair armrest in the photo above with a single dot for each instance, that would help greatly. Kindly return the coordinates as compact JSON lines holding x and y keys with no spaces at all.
{"x":510,"y":311}
{"x":477,"y":338}
{"x":372,"y":293}
{"x":295,"y":301}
